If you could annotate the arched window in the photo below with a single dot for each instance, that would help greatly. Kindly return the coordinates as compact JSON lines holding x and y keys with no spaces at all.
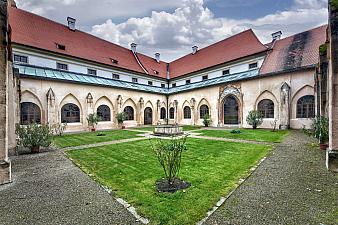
{"x":171,"y":113}
{"x":187,"y":112}
{"x":204,"y":109}
{"x":103,"y":111}
{"x":306,"y":107}
{"x":267,"y":108}
{"x":30,"y":113}
{"x":70,"y":113}
{"x":163,"y":113}
{"x":129,"y":113}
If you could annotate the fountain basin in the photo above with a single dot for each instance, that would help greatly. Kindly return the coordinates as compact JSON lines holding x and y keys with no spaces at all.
{"x":168,"y":130}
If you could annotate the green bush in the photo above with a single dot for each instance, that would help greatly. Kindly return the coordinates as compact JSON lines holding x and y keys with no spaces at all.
{"x":169,"y":154}
{"x":58,"y":128}
{"x":121,"y":117}
{"x":207,"y":120}
{"x":235,"y":131}
{"x":93,"y":119}
{"x":319,"y":129}
{"x":34,"y":136}
{"x":254,"y":119}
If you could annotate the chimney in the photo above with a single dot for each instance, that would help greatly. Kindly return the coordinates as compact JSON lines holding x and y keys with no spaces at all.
{"x":194,"y":49}
{"x":71,"y":23}
{"x":157,"y":57}
{"x":276,"y":36}
{"x":133,"y":47}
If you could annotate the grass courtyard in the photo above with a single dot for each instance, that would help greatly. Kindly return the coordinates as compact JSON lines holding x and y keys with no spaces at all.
{"x":131,"y":170}
{"x":260,"y":135}
{"x":71,"y":140}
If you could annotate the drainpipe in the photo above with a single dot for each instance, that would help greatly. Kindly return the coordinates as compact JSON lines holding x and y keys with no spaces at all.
{"x":167,"y":95}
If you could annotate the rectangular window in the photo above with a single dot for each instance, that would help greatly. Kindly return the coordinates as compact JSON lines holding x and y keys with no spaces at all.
{"x":150,"y":83}
{"x":61,"y":66}
{"x":226,"y":72}
{"x":116,"y":76}
{"x":20,"y":58}
{"x":92,"y":72}
{"x":187,"y":82}
{"x":253,"y":65}
{"x":134,"y":80}
{"x":173,"y":85}
{"x":205,"y":77}
{"x":162,"y":85}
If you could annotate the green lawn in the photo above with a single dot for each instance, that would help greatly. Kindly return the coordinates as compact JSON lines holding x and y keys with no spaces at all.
{"x":71,"y":140}
{"x":131,"y":169}
{"x":248,"y":134}
{"x":185,"y":128}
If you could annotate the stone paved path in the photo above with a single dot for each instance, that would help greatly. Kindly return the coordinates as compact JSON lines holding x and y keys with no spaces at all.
{"x":49,"y":189}
{"x":292,"y":186}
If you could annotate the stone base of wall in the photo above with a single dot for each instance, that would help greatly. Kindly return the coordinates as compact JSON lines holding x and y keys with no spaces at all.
{"x":332,"y":160}
{"x":5,"y":172}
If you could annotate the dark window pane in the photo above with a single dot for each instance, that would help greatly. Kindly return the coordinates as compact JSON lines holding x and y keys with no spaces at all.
{"x":20,"y":58}
{"x":187,"y":112}
{"x":267,"y":108}
{"x":204,"y":110}
{"x":306,"y":107}
{"x":61,"y":66}
{"x":129,"y":113}
{"x":172,"y":113}
{"x":103,"y":111}
{"x":30,"y":113}
{"x":253,"y":65}
{"x":163,"y":113}
{"x":70,"y":113}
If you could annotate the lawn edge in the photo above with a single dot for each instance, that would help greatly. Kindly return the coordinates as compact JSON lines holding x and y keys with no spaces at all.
{"x":222,"y":199}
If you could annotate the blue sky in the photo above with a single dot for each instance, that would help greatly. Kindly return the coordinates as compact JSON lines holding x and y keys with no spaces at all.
{"x":173,"y":27}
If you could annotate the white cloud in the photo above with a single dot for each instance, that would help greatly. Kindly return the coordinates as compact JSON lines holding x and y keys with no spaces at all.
{"x":173,"y":34}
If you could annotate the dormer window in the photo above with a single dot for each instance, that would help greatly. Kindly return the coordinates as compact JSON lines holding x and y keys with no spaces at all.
{"x":150,"y":83}
{"x":61,"y":66}
{"x":253,"y":65}
{"x":116,"y":76}
{"x":114,"y":61}
{"x":226,"y":72}
{"x":91,"y":72}
{"x":20,"y":58}
{"x":205,"y":77}
{"x":60,"y":46}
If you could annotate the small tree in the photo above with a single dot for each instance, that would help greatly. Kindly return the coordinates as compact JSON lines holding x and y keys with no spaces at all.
{"x":207,"y":120}
{"x":320,"y":129}
{"x":34,"y":136}
{"x":121,"y":117}
{"x":254,"y":119}
{"x":58,"y":128}
{"x":169,"y":154}
{"x":93,"y":119}
{"x":274,"y":125}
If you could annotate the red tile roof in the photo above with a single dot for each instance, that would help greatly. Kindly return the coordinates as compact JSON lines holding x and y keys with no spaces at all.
{"x":36,"y":31}
{"x":299,"y":50}
{"x":235,"y":47}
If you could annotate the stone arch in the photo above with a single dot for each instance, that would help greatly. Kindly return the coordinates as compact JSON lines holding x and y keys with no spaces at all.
{"x":270,"y":96}
{"x":104,"y":100}
{"x":305,"y":90}
{"x":185,"y":104}
{"x":70,"y":98}
{"x":149,"y":104}
{"x":129,"y":102}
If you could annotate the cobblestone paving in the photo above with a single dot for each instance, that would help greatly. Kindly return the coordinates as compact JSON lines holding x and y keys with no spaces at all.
{"x":292,"y":186}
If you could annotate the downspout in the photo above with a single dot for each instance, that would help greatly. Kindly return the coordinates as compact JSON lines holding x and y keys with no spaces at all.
{"x":167,"y":95}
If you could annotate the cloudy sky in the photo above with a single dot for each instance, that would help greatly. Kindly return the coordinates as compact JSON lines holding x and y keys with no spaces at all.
{"x":172,"y":27}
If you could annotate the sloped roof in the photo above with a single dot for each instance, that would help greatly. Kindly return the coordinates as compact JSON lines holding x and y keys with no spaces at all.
{"x":36,"y":31}
{"x":297,"y":51}
{"x":235,"y":47}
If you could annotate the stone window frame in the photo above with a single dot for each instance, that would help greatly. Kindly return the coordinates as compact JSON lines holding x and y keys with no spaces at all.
{"x":104,"y":112}
{"x":29,"y":113}
{"x":267,"y":108}
{"x":129,"y":113}
{"x":70,"y":113}
{"x":305,"y":107}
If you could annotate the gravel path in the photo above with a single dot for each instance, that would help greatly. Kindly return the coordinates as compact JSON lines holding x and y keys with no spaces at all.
{"x":49,"y":189}
{"x":292,"y":186}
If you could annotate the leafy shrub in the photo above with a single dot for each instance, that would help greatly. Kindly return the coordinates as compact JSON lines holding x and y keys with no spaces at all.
{"x":274,"y":125}
{"x":254,"y":119}
{"x":93,"y":119}
{"x":169,"y":154}
{"x":34,"y":136}
{"x":58,"y":128}
{"x":319,"y":129}
{"x":121,"y":117}
{"x":235,"y":131}
{"x":207,"y":120}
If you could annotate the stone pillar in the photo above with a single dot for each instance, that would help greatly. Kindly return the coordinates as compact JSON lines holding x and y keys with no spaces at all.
{"x":193,"y":107}
{"x":5,"y":165}
{"x":284,"y":113}
{"x":158,"y":112}
{"x":176,"y":111}
{"x":332,"y":152}
{"x":51,"y":109}
{"x":140,"y":112}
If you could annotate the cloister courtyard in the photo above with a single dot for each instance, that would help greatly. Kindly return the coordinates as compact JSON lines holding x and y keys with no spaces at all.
{"x":250,"y":177}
